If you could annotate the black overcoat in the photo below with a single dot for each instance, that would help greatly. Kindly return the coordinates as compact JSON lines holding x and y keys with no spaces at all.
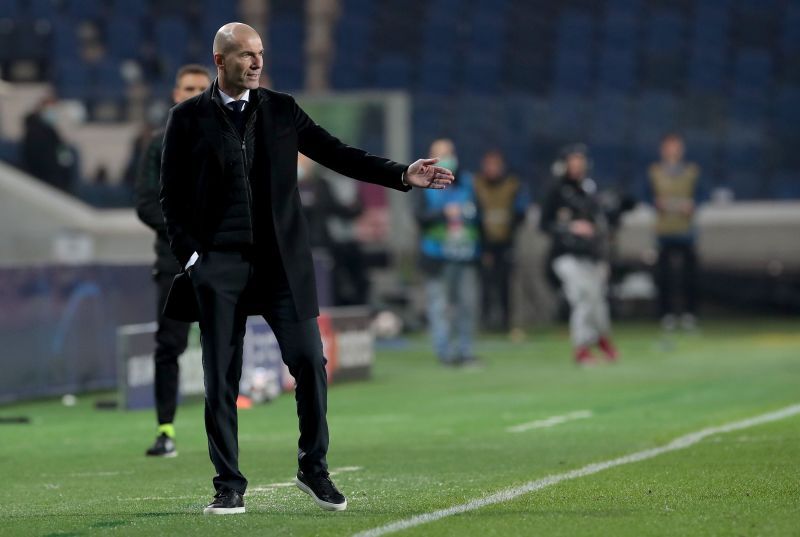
{"x":192,"y":172}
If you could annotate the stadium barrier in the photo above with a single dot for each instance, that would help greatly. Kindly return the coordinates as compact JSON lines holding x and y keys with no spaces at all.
{"x":347,"y":342}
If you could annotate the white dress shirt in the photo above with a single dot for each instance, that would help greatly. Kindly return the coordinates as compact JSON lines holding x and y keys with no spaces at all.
{"x":227,"y":99}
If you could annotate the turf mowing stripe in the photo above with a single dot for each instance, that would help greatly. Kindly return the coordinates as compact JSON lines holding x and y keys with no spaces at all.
{"x":550,"y":422}
{"x":512,"y":493}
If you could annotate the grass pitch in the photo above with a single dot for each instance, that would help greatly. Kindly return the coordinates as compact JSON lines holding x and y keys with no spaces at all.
{"x":419,"y":437}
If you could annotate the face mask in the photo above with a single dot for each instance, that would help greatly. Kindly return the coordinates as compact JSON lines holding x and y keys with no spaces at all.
{"x":450,"y":162}
{"x":49,"y":115}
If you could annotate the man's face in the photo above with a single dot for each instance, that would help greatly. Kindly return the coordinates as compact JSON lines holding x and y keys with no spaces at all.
{"x":493,"y":166}
{"x":241,"y":65}
{"x":576,"y":166}
{"x":188,"y":86}
{"x":445,"y":151}
{"x":672,"y":150}
{"x":442,"y":149}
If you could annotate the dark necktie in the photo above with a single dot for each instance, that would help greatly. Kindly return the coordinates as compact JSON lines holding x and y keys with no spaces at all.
{"x":237,"y":115}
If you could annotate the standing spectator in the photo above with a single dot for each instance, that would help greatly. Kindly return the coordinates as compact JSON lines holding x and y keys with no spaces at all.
{"x":502,"y":202}
{"x":171,"y":335}
{"x":138,"y":147}
{"x":450,"y":247}
{"x":674,"y":185}
{"x":575,"y":222}
{"x":45,"y":155}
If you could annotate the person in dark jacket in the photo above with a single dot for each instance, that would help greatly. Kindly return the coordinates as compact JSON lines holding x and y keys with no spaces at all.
{"x":235,"y":223}
{"x":45,"y":155}
{"x":171,"y":335}
{"x":575,"y":222}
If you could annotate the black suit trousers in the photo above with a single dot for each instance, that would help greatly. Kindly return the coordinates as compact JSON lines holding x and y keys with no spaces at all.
{"x":223,"y":282}
{"x":171,"y":339}
{"x":683,"y":255}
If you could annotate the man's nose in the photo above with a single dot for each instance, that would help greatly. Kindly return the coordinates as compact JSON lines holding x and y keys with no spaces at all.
{"x":258,"y":63}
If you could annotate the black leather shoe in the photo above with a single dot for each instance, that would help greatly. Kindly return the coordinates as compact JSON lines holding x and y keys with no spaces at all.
{"x":226,"y":502}
{"x":322,"y":490}
{"x":164,"y":446}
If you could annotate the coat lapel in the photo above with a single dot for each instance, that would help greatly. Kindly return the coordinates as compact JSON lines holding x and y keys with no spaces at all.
{"x":209,"y":123}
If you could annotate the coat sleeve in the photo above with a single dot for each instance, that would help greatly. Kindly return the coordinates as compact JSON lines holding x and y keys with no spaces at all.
{"x":147,"y":187}
{"x":321,"y":146}
{"x":176,"y":190}
{"x":548,"y":222}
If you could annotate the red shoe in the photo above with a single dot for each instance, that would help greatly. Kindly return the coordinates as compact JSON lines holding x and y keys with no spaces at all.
{"x":584,"y":356}
{"x":608,"y":349}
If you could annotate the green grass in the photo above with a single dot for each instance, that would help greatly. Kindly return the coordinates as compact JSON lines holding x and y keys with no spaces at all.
{"x":428,"y":438}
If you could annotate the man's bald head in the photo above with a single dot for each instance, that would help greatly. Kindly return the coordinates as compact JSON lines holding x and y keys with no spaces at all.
{"x":239,"y":57}
{"x":231,"y":33}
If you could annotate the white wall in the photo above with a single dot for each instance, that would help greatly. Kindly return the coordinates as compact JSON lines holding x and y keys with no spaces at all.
{"x":39,"y":224}
{"x":753,"y":236}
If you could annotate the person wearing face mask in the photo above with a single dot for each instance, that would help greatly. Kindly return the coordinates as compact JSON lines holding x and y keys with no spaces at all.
{"x":45,"y":155}
{"x":171,"y":335}
{"x":450,"y":247}
{"x":575,"y":222}
{"x":321,"y":206}
{"x":675,"y":191}
{"x":231,"y":204}
{"x":502,"y":201}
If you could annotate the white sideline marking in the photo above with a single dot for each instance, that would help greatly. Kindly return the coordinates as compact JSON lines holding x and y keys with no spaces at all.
{"x":98,"y":474}
{"x":550,"y":422}
{"x":512,"y":493}
{"x":272,"y":486}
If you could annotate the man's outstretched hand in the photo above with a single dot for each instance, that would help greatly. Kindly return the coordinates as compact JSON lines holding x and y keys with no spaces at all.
{"x":423,"y":174}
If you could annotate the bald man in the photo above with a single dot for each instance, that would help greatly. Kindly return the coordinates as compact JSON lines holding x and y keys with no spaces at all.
{"x":235,"y":223}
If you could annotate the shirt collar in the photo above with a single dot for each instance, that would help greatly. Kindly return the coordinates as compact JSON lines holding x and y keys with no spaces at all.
{"x":227,"y":99}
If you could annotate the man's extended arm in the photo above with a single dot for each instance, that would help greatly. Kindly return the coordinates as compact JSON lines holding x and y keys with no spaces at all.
{"x":176,"y":191}
{"x":547,"y":215}
{"x":321,"y":146}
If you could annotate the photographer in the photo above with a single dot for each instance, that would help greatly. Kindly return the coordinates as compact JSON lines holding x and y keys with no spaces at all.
{"x":577,"y":226}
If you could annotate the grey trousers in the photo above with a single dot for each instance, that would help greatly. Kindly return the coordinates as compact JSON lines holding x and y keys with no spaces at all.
{"x":584,"y":282}
{"x":452,"y":310}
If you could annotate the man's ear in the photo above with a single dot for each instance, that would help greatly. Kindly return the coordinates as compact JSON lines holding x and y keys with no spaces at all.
{"x":219,"y":60}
